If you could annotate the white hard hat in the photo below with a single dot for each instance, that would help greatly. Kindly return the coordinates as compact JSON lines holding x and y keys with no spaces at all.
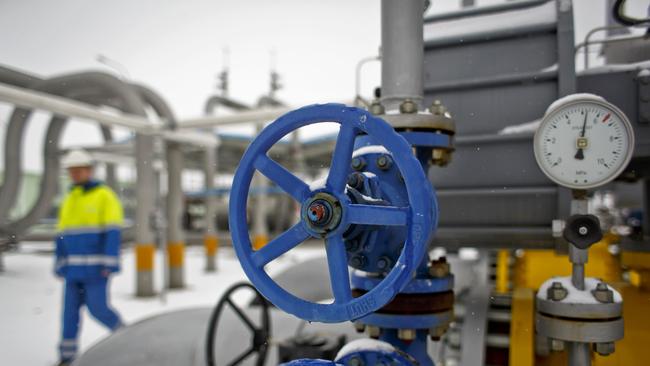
{"x":76,"y":158}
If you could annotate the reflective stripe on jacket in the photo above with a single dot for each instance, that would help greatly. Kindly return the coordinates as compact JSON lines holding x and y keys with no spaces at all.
{"x":88,"y":239}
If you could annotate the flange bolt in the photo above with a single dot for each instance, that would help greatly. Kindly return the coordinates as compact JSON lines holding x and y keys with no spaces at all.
{"x":439,"y":268}
{"x":556,"y":292}
{"x":602,"y":293}
{"x":358,"y":163}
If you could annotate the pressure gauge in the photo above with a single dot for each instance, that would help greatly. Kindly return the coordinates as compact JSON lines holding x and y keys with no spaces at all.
{"x":583,"y":142}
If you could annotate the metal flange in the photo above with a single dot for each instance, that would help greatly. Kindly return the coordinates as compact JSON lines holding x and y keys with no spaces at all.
{"x":559,"y":298}
{"x":575,"y":330}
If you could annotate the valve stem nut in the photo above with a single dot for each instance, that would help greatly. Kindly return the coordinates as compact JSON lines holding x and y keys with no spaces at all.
{"x":439,"y":268}
{"x":602,"y":293}
{"x":556,"y":292}
{"x":406,"y":334}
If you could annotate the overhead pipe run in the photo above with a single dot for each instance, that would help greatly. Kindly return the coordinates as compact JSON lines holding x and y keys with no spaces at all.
{"x":402,"y":53}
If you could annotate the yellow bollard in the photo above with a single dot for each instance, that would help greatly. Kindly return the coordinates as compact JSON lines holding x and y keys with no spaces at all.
{"x":175,"y":259}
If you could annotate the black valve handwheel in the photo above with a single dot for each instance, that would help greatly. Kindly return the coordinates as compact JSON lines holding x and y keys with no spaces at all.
{"x":261,"y":333}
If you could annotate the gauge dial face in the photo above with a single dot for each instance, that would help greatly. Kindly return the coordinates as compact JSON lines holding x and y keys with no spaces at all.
{"x":584,"y":143}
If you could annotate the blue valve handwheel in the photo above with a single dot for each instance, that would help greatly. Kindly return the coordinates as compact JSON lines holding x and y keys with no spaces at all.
{"x":327,"y":213}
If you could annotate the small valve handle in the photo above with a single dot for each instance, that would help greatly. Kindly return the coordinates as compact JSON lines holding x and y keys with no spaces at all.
{"x":582,"y":231}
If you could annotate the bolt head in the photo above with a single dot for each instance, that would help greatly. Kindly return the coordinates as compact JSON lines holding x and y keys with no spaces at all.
{"x":358,"y":261}
{"x":373,"y":331}
{"x":437,"y":108}
{"x":604,"y":349}
{"x":358,"y":163}
{"x":384,"y":162}
{"x":408,"y":106}
{"x":383,"y":263}
{"x":406,"y":334}
{"x":359,"y":326}
{"x":556,"y":292}
{"x":603,"y":294}
{"x":439,"y":268}
{"x":556,"y":345}
{"x":377,"y":108}
{"x":440,"y":157}
{"x":583,"y":230}
{"x":355,"y":180}
{"x":355,"y":361}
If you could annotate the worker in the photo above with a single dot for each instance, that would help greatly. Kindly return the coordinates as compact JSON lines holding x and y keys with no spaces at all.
{"x":87,"y":249}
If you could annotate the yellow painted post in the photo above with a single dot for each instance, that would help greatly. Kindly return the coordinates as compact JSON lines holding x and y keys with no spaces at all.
{"x":175,"y":260}
{"x":503,"y":272}
{"x":522,"y":328}
{"x":211,"y":245}
{"x":144,"y":262}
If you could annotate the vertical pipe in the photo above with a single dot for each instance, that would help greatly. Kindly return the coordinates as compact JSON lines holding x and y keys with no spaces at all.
{"x":402,"y":53}
{"x":145,"y":196}
{"x":579,"y":354}
{"x":175,"y":239}
{"x":210,"y":238}
{"x":260,"y":229}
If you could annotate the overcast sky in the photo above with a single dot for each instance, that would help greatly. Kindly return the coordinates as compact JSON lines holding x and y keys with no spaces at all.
{"x":176,"y":47}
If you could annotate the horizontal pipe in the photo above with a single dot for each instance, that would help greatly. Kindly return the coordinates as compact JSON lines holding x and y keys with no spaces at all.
{"x":484,"y":10}
{"x":493,"y":81}
{"x":255,"y":116}
{"x":71,"y":108}
{"x":63,"y":106}
{"x":480,"y":37}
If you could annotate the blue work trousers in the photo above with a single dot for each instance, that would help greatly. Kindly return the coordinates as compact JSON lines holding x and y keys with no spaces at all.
{"x":91,"y":292}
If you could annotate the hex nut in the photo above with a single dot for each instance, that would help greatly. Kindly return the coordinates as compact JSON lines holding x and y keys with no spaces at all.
{"x":604,"y":349}
{"x":355,"y":361}
{"x":408,"y":106}
{"x":358,"y":163}
{"x":373,"y":331}
{"x":439,"y":268}
{"x":556,"y":292}
{"x":376,"y":108}
{"x":556,"y":345}
{"x":603,"y":294}
{"x":406,"y":334}
{"x":359,"y":326}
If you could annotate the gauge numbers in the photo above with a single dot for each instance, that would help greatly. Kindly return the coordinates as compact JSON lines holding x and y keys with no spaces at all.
{"x":584,"y":143}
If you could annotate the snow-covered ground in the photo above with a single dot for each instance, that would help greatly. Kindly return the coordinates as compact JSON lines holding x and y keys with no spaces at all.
{"x":31,"y":298}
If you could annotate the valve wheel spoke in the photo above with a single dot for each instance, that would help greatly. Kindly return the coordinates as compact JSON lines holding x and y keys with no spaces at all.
{"x":337,"y":261}
{"x":288,"y":182}
{"x":377,"y":215}
{"x":241,"y":315}
{"x":242,"y":357}
{"x":280,"y":245}
{"x":341,"y":158}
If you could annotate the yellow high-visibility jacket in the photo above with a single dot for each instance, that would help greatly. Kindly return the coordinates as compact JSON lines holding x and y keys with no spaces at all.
{"x":89,"y":232}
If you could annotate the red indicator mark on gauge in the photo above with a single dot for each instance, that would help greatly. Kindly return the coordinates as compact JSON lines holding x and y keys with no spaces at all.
{"x":607,"y":117}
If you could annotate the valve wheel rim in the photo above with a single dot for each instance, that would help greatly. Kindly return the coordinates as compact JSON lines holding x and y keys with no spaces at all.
{"x":420,"y":216}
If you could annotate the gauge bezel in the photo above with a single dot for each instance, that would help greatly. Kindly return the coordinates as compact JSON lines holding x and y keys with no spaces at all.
{"x":550,"y":114}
